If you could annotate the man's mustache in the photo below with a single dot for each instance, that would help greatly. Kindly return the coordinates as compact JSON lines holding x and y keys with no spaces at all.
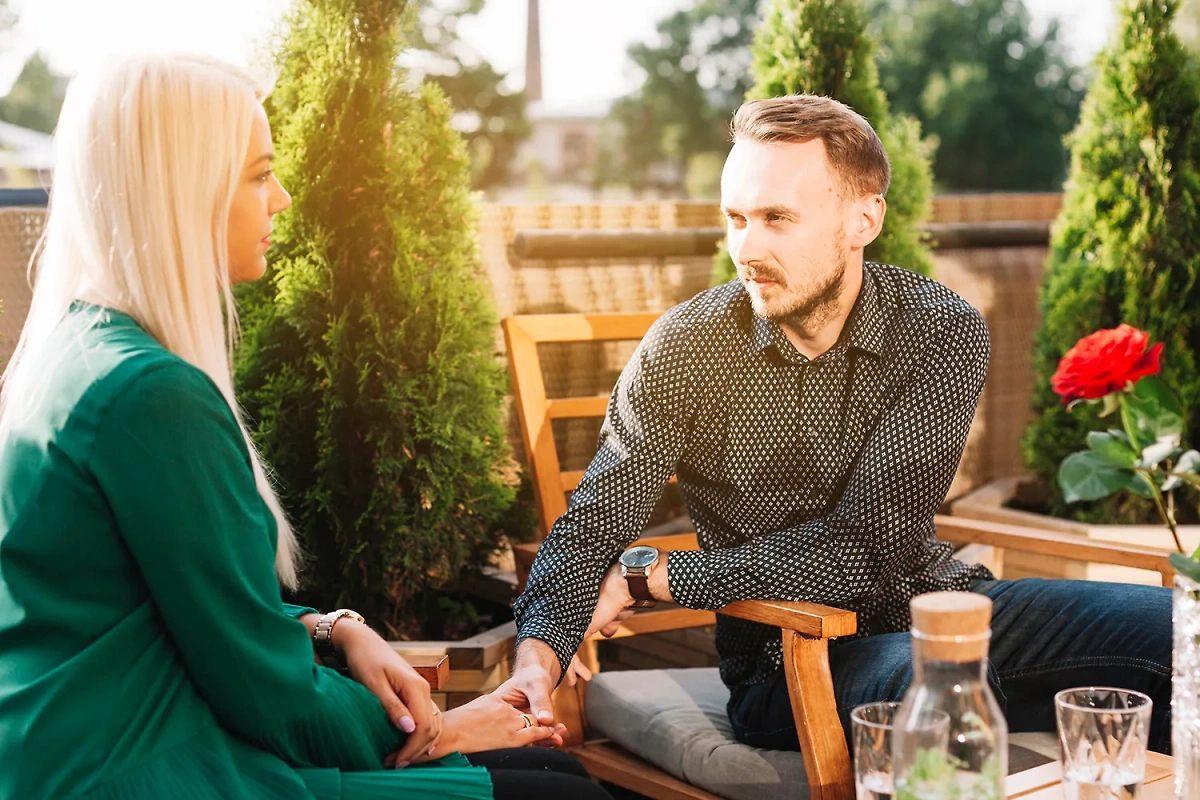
{"x":763,"y":274}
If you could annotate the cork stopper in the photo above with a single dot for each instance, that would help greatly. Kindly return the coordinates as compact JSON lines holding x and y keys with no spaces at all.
{"x":952,"y":626}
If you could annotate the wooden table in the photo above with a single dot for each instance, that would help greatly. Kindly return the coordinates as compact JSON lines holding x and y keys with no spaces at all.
{"x":1045,"y":782}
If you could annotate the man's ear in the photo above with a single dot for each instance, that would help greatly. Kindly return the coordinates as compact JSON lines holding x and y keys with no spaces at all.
{"x":867,"y":220}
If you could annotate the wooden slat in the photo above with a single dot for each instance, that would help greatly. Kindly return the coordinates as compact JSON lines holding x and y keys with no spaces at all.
{"x":809,"y":619}
{"x":570,"y":704}
{"x":577,"y":407}
{"x":434,"y":669}
{"x":523,"y":557}
{"x":607,"y":762}
{"x":822,"y":742}
{"x":669,"y":619}
{"x":1049,"y":543}
{"x":674,"y":541}
{"x":583,"y":327}
{"x":529,"y":390}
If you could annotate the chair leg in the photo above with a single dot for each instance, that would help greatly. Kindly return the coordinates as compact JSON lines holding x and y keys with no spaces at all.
{"x":570,"y":702}
{"x":822,"y":742}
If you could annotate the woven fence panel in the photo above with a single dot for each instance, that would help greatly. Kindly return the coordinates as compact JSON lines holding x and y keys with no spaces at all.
{"x":1002,"y":282}
{"x":20,"y":229}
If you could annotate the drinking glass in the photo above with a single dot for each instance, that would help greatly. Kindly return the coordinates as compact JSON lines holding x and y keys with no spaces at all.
{"x":1103,"y":732}
{"x":871,"y":732}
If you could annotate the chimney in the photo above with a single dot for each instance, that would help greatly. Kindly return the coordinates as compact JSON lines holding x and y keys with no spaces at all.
{"x":533,"y":55}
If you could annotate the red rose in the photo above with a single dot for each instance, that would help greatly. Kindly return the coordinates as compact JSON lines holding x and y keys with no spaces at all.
{"x":1105,"y":362}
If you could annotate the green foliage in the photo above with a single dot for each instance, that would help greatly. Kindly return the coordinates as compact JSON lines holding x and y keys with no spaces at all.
{"x":35,"y":98}
{"x":822,"y":47}
{"x":1124,"y":246}
{"x":696,"y":75}
{"x":369,"y":363}
{"x":997,"y":98}
{"x":1147,"y":458}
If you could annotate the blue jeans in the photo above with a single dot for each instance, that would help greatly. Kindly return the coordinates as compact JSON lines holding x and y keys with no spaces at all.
{"x":1047,"y":635}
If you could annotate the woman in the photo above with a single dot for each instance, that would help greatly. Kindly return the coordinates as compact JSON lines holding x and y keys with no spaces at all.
{"x":145,"y":651}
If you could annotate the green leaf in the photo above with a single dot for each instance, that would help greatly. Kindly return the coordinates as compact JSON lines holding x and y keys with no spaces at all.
{"x":1156,"y":412}
{"x":1087,"y":476}
{"x":1115,"y":451}
{"x":1185,"y":566}
{"x":1140,"y":486}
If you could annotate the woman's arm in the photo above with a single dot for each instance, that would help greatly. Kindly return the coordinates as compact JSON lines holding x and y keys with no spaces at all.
{"x":176,"y":473}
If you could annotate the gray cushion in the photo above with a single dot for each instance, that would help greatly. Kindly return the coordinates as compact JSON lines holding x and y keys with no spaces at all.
{"x":676,"y":720}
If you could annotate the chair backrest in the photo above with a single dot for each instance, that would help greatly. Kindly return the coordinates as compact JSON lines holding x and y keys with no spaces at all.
{"x":523,"y":334}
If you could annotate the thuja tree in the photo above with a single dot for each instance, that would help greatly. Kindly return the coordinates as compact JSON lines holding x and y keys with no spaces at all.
{"x":822,"y":47}
{"x":369,"y":365}
{"x":1126,"y":246}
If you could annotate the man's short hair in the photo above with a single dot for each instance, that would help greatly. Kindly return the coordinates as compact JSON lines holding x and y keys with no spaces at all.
{"x":851,"y":144}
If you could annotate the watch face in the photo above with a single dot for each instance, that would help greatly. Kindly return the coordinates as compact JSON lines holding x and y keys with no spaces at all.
{"x":639,"y":557}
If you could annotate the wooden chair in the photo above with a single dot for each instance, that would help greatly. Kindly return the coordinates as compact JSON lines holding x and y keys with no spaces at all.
{"x":806,"y":627}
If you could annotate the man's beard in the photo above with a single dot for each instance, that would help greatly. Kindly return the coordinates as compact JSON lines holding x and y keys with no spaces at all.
{"x":813,"y":304}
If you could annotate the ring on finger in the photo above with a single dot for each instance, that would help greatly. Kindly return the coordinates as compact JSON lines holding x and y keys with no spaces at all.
{"x":528,"y":720}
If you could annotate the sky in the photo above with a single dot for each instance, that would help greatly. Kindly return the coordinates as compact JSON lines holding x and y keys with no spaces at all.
{"x":583,"y":42}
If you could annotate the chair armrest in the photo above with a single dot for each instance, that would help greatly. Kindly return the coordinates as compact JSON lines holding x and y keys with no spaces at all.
{"x":1050,"y":543}
{"x":808,"y":619}
{"x":667,"y":619}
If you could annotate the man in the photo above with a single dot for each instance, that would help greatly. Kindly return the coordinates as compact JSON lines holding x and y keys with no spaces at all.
{"x":815,"y":411}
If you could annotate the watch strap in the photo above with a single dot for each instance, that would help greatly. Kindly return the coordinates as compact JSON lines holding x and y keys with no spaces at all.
{"x":323,"y":637}
{"x":639,"y":589}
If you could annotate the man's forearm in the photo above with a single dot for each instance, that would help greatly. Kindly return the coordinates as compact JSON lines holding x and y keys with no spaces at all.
{"x":535,"y":652}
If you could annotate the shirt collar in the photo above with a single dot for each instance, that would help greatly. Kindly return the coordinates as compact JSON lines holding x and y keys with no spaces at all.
{"x":867,"y":326}
{"x":864,"y":329}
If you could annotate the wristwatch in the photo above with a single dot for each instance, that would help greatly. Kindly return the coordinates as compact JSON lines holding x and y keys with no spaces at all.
{"x":323,"y":637}
{"x":636,"y":565}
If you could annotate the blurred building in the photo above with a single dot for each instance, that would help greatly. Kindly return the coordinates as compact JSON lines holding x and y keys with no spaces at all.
{"x":26,"y":157}
{"x":558,"y":161}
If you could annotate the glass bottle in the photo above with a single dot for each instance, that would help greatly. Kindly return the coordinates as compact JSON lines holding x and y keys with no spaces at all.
{"x":950,"y":635}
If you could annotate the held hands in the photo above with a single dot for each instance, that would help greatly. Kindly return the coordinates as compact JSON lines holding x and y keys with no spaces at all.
{"x":487,"y":723}
{"x":403,"y":693}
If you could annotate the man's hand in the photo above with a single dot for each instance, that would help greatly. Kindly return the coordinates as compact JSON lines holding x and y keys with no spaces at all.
{"x":535,"y":674}
{"x":613,"y":605}
{"x":576,"y":672}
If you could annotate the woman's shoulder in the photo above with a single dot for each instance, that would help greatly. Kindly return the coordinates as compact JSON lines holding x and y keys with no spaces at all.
{"x":108,"y":357}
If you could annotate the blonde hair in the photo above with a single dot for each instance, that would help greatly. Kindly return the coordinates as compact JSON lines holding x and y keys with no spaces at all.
{"x":851,"y":144}
{"x":149,"y":151}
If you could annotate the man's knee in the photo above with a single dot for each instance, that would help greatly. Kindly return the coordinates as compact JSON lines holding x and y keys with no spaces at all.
{"x":871,"y":669}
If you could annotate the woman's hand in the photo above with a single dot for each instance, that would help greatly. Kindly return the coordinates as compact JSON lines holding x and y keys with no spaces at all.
{"x":403,"y":693}
{"x":488,"y":723}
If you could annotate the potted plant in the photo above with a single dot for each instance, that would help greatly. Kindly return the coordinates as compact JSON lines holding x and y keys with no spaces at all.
{"x":369,"y":364}
{"x":1142,"y":451}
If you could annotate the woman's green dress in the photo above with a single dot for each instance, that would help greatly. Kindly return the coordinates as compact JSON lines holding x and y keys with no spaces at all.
{"x":145,"y":651}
